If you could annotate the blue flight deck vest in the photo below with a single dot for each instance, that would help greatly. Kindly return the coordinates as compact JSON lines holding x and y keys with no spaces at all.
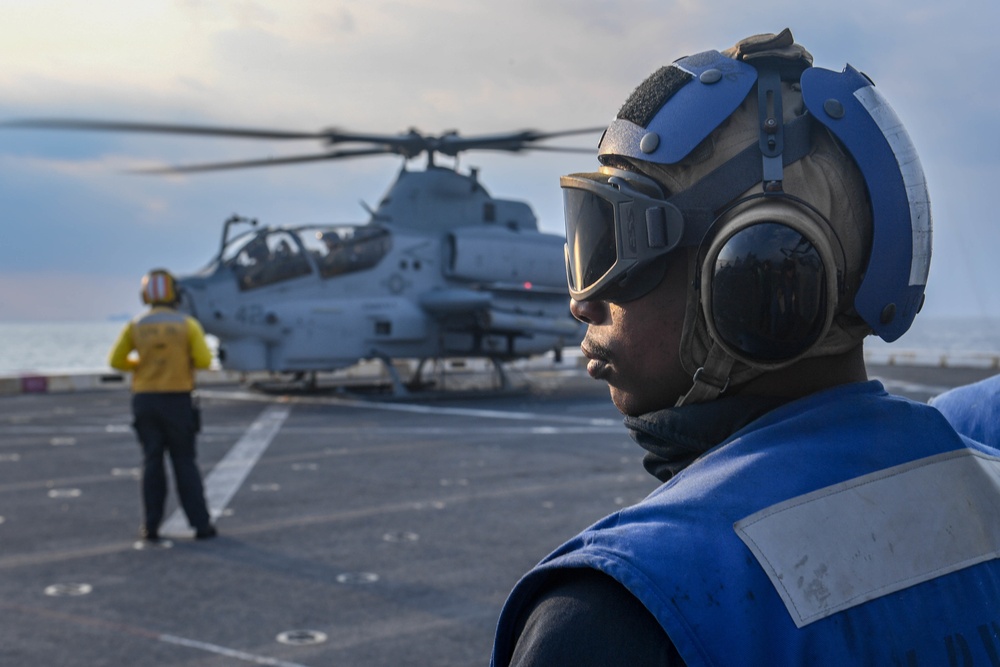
{"x":850,"y":527}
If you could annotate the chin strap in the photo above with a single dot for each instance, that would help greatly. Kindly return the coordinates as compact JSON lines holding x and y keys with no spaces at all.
{"x":711,"y":379}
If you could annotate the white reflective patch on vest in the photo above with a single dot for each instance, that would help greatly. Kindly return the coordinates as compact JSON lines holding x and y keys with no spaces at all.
{"x":846,"y":544}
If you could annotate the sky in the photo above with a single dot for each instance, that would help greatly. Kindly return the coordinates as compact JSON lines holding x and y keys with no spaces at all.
{"x":77,"y":231}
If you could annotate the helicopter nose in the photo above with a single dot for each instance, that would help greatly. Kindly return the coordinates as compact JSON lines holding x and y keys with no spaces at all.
{"x":589,"y":312}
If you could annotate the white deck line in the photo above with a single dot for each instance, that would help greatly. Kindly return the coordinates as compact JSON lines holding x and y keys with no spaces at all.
{"x":225,"y":479}
{"x":228,"y":652}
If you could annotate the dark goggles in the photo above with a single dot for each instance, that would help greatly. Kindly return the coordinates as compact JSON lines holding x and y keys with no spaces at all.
{"x":617,"y":225}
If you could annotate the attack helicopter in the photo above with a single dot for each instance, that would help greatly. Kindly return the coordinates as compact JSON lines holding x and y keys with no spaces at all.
{"x":441,"y":269}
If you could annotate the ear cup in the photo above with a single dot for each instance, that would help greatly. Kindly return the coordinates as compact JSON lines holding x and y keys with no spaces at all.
{"x":769,"y":283}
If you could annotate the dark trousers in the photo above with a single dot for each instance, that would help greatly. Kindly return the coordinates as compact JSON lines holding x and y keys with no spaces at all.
{"x":165,"y":423}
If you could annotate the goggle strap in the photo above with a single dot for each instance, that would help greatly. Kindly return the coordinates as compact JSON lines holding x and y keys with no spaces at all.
{"x":656,"y":228}
{"x":702,"y":202}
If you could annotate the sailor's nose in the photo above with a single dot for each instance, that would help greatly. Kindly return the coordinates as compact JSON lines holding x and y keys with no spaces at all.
{"x":589,"y":312}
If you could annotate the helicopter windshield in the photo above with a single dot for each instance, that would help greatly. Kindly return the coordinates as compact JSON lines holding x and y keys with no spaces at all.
{"x":340,"y":250}
{"x":265,"y":258}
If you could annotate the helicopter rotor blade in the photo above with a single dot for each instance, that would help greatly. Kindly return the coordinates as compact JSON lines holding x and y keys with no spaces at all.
{"x":451,"y":144}
{"x":407,"y":144}
{"x":540,"y":136}
{"x":524,"y":136}
{"x":560,"y":149}
{"x":263,"y":162}
{"x":159,"y":128}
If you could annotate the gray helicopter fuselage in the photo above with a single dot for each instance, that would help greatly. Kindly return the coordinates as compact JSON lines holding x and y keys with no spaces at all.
{"x":441,"y":270}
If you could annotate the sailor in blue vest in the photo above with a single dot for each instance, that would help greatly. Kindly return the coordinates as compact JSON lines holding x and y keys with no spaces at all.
{"x":753,"y":219}
{"x":973,"y":409}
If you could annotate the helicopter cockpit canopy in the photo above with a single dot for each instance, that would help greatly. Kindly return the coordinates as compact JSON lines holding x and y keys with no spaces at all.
{"x":341,"y":250}
{"x":272,"y":256}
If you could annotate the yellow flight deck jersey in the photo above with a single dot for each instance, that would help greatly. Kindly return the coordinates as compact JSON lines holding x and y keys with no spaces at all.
{"x":170,"y":346}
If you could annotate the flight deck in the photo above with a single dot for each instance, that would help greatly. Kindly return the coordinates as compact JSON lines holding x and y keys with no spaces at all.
{"x":353,"y":531}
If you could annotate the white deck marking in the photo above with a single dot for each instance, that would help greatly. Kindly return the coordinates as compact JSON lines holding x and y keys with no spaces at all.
{"x":228,"y":652}
{"x":225,"y":479}
{"x":413,"y":408}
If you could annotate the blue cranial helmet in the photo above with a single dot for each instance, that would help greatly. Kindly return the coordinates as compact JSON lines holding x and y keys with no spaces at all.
{"x":798,"y":186}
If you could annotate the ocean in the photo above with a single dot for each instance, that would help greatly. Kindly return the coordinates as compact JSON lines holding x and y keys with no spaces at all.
{"x":942,"y":341}
{"x":79,"y":347}
{"x":58,"y":347}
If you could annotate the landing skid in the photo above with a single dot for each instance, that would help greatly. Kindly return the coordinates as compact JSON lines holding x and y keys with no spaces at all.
{"x":430,"y":379}
{"x":500,"y":380}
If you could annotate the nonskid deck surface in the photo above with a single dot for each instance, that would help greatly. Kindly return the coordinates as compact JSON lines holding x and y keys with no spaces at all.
{"x":352,"y":531}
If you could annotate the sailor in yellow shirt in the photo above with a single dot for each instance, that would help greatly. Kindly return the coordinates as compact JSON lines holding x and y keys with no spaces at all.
{"x":162,"y":348}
